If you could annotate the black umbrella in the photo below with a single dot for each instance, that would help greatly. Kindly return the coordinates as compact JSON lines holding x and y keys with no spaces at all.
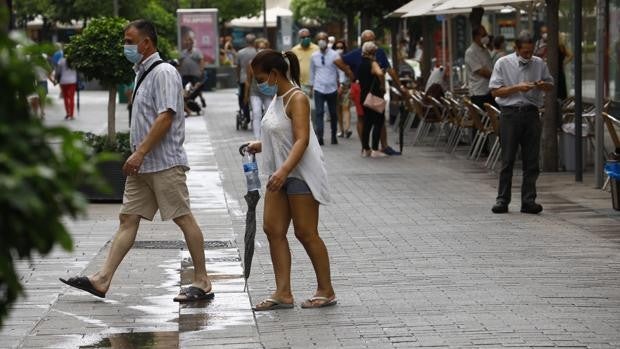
{"x":251,"y":198}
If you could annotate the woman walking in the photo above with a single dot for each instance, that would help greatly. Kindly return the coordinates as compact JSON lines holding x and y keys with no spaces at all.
{"x":344,"y":98}
{"x":297,"y":183}
{"x":67,"y":78}
{"x":372,"y":81}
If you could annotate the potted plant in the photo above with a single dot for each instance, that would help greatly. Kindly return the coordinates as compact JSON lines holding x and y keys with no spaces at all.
{"x":110,"y":167}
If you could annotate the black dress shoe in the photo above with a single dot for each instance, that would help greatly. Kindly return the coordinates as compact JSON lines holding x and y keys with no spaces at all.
{"x":532,"y":208}
{"x":334,"y":140}
{"x":321,"y":141}
{"x":500,"y":207}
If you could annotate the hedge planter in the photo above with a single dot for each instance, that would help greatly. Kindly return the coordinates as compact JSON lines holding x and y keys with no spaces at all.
{"x":112,"y":173}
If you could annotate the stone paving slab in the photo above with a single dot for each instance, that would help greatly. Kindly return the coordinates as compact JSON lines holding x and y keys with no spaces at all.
{"x":418,"y":259}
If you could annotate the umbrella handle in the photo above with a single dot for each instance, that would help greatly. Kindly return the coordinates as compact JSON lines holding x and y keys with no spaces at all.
{"x":242,"y":148}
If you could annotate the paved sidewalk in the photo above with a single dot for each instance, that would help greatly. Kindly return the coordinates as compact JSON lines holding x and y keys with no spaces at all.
{"x":418,"y":260}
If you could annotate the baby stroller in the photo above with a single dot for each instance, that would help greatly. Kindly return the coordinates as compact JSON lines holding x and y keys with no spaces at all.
{"x":189,"y":97}
{"x":241,"y":121}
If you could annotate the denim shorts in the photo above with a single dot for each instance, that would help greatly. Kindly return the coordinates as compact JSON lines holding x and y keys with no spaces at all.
{"x":295,"y":186}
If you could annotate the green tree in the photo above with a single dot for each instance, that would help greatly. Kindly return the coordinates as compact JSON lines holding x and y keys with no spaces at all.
{"x":227,"y":9}
{"x":313,"y":9}
{"x":38,"y":180}
{"x":98,"y":54}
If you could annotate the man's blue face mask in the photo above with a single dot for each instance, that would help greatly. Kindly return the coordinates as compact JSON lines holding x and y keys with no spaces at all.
{"x":131,"y":53}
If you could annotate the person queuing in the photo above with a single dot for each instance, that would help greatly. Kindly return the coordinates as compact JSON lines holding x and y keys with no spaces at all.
{"x":156,"y":168}
{"x":517,"y":83}
{"x":325,"y":87}
{"x":292,"y":157}
{"x":499,"y":49}
{"x":350,"y":63}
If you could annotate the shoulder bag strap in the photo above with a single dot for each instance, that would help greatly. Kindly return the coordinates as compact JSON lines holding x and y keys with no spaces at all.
{"x":135,"y":89}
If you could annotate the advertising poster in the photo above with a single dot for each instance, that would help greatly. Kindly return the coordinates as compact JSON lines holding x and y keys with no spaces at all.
{"x":200,"y":25}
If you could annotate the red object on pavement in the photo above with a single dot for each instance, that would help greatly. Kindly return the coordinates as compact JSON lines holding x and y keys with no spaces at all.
{"x":356,"y":97}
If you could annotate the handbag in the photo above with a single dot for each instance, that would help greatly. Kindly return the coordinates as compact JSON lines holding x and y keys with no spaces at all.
{"x":373,"y":102}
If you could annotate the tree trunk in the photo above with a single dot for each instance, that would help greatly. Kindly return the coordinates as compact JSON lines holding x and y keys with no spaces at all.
{"x":112,"y":113}
{"x":351,"y":37}
{"x":551,"y":118}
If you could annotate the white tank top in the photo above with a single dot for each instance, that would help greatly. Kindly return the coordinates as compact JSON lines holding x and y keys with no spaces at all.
{"x":277,"y":142}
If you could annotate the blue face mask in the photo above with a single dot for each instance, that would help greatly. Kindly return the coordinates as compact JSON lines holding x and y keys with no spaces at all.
{"x":132,"y":54}
{"x":266,"y":89}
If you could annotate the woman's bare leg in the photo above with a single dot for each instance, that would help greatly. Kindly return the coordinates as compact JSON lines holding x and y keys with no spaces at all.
{"x":276,"y":220}
{"x":305,"y":215}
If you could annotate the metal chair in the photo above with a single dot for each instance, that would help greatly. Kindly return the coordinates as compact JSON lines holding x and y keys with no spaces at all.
{"x":481,"y":125}
{"x":493,"y":114}
{"x":611,"y":122}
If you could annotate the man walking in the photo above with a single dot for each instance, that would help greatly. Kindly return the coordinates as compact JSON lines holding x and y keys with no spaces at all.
{"x":304,"y":51}
{"x":324,"y":84}
{"x":517,"y":83}
{"x":191,"y":63}
{"x":243,"y":58}
{"x":156,"y":168}
{"x":479,"y":67}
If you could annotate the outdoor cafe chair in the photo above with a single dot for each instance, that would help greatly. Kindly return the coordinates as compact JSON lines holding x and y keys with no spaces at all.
{"x":481,"y":125}
{"x":611,"y":122}
{"x":493,"y":114}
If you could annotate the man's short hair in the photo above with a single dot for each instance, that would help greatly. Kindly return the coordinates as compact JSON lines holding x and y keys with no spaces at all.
{"x":250,"y":38}
{"x":524,"y":38}
{"x":146,"y":28}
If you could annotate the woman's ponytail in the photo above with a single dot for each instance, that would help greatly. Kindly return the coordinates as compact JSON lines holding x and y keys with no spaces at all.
{"x":284,"y":62}
{"x":293,"y":66}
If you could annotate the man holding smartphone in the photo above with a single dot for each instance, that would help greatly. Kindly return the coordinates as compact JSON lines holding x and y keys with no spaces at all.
{"x":517,"y":83}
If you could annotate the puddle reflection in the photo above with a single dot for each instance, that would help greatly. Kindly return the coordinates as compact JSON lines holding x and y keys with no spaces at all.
{"x":135,"y":340}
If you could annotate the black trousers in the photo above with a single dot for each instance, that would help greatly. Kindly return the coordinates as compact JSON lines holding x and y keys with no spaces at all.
{"x":374,"y":121}
{"x":519,"y":127}
{"x":245,"y":108}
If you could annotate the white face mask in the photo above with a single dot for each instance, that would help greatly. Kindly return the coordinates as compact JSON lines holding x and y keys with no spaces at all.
{"x":484,"y":40}
{"x":524,"y":61}
{"x":340,"y":51}
{"x":544,"y":36}
{"x":322,"y":44}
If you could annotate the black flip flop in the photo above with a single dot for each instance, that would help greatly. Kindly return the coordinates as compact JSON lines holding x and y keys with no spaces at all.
{"x":194,"y":294}
{"x":82,"y":283}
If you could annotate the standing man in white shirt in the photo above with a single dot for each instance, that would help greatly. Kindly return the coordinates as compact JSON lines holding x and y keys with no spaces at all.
{"x":518,"y":83}
{"x":324,"y":83}
{"x":479,"y":67}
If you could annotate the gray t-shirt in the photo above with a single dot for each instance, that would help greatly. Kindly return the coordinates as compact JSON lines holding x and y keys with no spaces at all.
{"x":189,"y":64}
{"x":508,"y":71}
{"x":244,"y":56}
{"x":476,"y":58}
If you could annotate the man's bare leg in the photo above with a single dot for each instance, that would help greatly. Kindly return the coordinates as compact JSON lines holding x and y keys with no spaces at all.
{"x":195,"y":244}
{"x":123,"y":240}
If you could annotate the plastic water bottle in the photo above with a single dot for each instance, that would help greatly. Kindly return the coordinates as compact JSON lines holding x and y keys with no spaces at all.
{"x":250,"y":168}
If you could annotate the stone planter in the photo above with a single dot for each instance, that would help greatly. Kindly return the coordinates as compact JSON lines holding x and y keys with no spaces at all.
{"x":112,"y":173}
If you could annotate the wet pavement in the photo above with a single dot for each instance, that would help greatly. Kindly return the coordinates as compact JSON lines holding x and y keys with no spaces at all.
{"x":417,"y":259}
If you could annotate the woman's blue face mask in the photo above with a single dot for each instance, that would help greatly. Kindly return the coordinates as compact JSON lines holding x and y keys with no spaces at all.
{"x":266,"y":89}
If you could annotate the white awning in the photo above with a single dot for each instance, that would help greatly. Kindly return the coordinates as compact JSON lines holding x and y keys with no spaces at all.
{"x":412,"y":6}
{"x":257,"y":21}
{"x":467,"y":5}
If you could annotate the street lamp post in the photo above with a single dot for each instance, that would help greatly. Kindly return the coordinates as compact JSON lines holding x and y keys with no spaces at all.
{"x":265,"y":19}
{"x":578,"y":96}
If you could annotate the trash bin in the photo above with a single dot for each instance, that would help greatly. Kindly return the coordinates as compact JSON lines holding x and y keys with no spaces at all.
{"x":211,"y":79}
{"x":567,"y":156}
{"x":612,"y":168}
